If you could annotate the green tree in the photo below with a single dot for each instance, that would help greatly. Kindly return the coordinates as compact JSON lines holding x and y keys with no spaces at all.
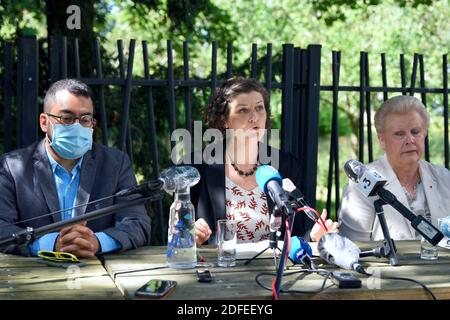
{"x":391,"y":26}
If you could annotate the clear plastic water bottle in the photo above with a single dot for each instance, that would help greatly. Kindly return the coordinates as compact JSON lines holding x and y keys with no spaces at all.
{"x":181,"y":246}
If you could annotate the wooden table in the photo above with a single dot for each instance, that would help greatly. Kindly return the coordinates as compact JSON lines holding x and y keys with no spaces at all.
{"x":239,"y":282}
{"x":25,"y":278}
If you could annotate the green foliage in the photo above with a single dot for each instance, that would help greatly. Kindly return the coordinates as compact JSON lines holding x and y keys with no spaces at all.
{"x":21,"y":18}
{"x":332,"y":11}
{"x":325,"y":120}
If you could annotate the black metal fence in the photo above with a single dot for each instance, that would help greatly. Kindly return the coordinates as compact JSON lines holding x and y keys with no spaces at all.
{"x":300,"y":89}
{"x":299,"y":86}
{"x":365,"y":108}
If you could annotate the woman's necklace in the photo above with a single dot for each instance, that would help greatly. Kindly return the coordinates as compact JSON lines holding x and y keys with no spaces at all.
{"x":241,"y":172}
{"x":245,"y":173}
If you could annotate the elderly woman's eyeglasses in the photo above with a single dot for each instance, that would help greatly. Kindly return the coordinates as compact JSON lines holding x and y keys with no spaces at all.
{"x":86,"y":120}
{"x":58,"y":256}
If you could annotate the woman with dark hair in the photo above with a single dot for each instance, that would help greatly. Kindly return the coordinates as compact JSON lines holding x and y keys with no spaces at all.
{"x":228,"y":190}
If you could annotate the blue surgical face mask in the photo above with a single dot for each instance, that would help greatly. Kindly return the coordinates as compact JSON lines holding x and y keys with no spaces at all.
{"x":71,"y":141}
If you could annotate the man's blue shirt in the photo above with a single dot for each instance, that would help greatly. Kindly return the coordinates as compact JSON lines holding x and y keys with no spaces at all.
{"x":67,"y":188}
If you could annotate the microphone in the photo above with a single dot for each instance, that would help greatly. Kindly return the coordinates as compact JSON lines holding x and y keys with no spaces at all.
{"x":171,"y":179}
{"x":297,"y":196}
{"x":301,"y":252}
{"x":340,"y":251}
{"x":370,"y":182}
{"x":145,"y":189}
{"x":269,"y":180}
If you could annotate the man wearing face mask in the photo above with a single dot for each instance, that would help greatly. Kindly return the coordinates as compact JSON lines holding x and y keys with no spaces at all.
{"x":64,"y":170}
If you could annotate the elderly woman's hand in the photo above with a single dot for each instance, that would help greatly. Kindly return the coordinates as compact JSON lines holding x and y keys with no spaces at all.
{"x":318,"y":231}
{"x":202,"y":231}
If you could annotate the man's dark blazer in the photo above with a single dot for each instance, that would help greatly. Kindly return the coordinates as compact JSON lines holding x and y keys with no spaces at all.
{"x":28,"y":190}
{"x":208,"y":196}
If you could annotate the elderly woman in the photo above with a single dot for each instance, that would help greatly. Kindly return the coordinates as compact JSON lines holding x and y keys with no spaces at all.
{"x":228,"y":189}
{"x":401,"y":123}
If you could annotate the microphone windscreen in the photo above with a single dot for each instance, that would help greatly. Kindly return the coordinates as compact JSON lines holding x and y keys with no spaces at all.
{"x":266,"y":173}
{"x":179,"y":177}
{"x":338,"y":250}
{"x":354,"y":170}
{"x":299,"y":248}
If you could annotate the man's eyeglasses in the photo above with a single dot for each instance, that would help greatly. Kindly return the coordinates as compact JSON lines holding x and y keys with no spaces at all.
{"x":58,"y":256}
{"x":86,"y":120}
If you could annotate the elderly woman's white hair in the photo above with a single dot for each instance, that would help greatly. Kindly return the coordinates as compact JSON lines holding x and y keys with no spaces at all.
{"x":400,"y":105}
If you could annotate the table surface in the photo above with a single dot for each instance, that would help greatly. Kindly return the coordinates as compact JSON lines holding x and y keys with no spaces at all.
{"x":239,"y":282}
{"x":122,"y":274}
{"x":27,"y":278}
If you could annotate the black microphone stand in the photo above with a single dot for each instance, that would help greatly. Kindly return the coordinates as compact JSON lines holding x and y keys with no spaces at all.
{"x":29,"y":234}
{"x":387,"y":248}
{"x":273,"y":240}
{"x":290,"y":216}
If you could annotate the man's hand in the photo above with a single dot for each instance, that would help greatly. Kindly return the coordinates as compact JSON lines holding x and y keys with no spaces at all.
{"x":317,"y":231}
{"x":79,"y":240}
{"x":202,"y":231}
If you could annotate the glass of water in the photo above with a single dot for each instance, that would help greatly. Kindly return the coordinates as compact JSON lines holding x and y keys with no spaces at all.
{"x":427,"y":250}
{"x":227,"y":242}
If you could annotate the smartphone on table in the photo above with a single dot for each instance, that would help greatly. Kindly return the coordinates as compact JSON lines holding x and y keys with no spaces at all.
{"x":156,"y":288}
{"x":204,"y":275}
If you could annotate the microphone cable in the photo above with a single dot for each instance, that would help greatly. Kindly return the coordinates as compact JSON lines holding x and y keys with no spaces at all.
{"x":324,"y":273}
{"x":279,"y":273}
{"x":318,"y":220}
{"x":327,"y":274}
{"x":139,"y":270}
{"x":403,"y":279}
